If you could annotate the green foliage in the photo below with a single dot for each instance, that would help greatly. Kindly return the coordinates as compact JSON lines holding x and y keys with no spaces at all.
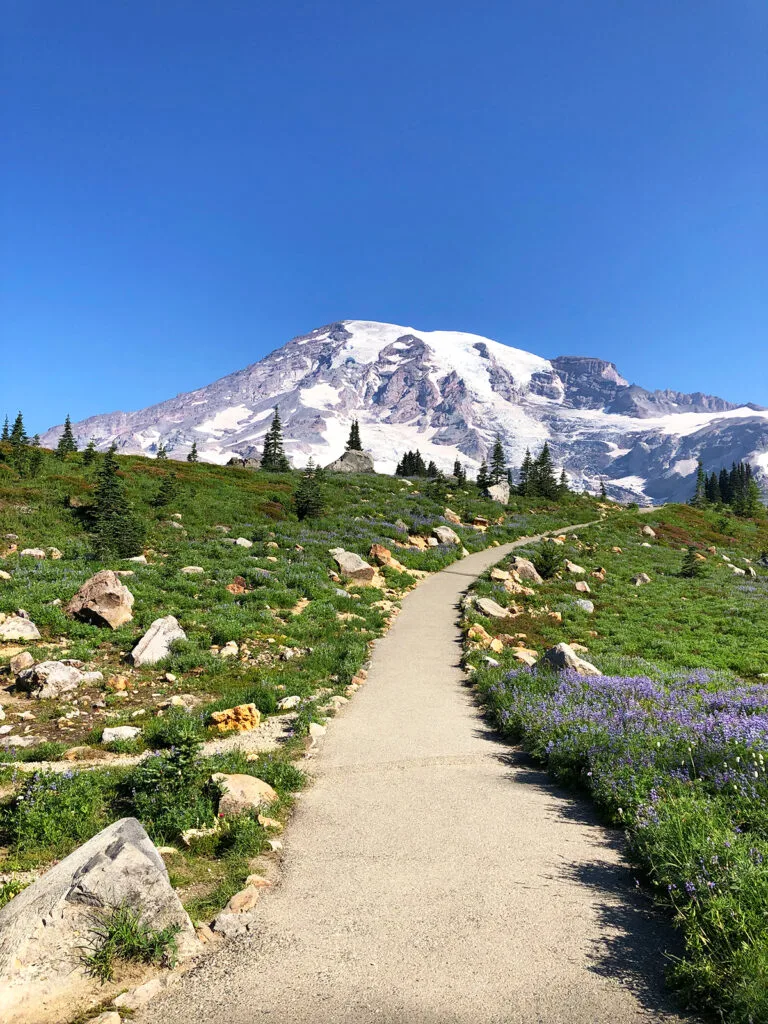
{"x":117,"y":530}
{"x":308,"y":500}
{"x":192,"y":455}
{"x":483,"y":476}
{"x":549,"y":559}
{"x":692,"y":566}
{"x":89,"y":452}
{"x":411,"y":464}
{"x":166,"y":494}
{"x":498,"y":470}
{"x":10,"y":889}
{"x":120,"y":935}
{"x":354,"y":444}
{"x":273,"y":458}
{"x":67,"y":444}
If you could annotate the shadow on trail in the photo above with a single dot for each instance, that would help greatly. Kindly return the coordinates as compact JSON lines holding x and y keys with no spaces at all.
{"x":637,"y":941}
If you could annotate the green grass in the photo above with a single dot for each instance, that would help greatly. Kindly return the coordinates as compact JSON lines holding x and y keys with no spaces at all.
{"x":120,"y":936}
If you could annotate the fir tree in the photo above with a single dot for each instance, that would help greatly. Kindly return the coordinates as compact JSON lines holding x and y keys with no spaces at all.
{"x":117,"y":530}
{"x":546,"y":484}
{"x":192,"y":454}
{"x":483,"y":476}
{"x":35,"y":457}
{"x":752,"y":505}
{"x":725,"y":486}
{"x":699,"y":498}
{"x":18,"y":434}
{"x":603,"y":492}
{"x":67,"y":444}
{"x":562,"y":488}
{"x":161,"y":452}
{"x":309,"y":500}
{"x":526,"y":475}
{"x":273,"y":458}
{"x":432,"y":470}
{"x":692,"y":566}
{"x":498,"y":469}
{"x":459,"y":473}
{"x":6,"y":434}
{"x":169,"y":487}
{"x":89,"y":452}
{"x":353,"y":441}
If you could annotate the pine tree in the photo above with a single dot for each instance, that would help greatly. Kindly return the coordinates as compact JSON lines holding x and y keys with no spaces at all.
{"x":546,"y":484}
{"x":309,"y":500}
{"x":699,"y":498}
{"x":273,"y":458}
{"x":525,"y":486}
{"x":483,"y":476}
{"x":192,"y":454}
{"x":752,"y":505}
{"x":117,"y":530}
{"x":35,"y":458}
{"x":89,"y":452}
{"x":498,"y":469}
{"x":692,"y":566}
{"x":18,"y":434}
{"x":161,"y":452}
{"x":6,"y":434}
{"x":353,"y":442}
{"x":603,"y":492}
{"x":458,"y":471}
{"x":725,"y":486}
{"x":169,"y":487}
{"x":562,"y":488}
{"x":432,"y":470}
{"x":67,"y":444}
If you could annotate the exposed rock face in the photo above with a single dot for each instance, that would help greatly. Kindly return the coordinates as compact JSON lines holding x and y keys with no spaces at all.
{"x":352,"y":462}
{"x":156,"y":642}
{"x":49,"y":679}
{"x":241,"y":793}
{"x":43,"y":930}
{"x":563,"y":656}
{"x":17,"y":628}
{"x":103,"y":600}
{"x":449,"y":394}
{"x":351,"y":565}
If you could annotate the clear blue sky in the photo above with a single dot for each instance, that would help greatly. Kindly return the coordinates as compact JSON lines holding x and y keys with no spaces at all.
{"x":187,"y":185}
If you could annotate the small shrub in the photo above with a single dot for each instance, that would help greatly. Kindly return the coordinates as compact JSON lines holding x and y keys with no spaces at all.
{"x":121,"y":935}
{"x":10,"y":889}
{"x":549,"y":560}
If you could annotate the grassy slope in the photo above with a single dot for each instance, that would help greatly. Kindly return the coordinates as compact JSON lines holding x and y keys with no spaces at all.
{"x":673,"y":753}
{"x":51,"y":510}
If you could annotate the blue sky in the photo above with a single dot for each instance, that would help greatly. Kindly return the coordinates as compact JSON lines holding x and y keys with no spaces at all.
{"x":187,"y":185}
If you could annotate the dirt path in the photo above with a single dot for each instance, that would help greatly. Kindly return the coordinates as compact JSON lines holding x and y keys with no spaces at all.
{"x":431,"y":875}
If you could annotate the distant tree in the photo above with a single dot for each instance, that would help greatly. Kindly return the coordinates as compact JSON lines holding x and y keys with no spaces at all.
{"x":309,"y":500}
{"x":162,"y":452}
{"x":117,"y":530}
{"x":411,"y":464}
{"x":545,"y":481}
{"x":6,"y":434}
{"x":692,"y":565}
{"x":353,"y":441}
{"x":712,"y":489}
{"x":89,"y":452}
{"x":35,"y":457}
{"x":699,"y":498}
{"x":273,"y":458}
{"x":752,"y":504}
{"x":432,"y":470}
{"x":498,"y":470}
{"x":603,"y":492}
{"x":563,"y":489}
{"x":18,"y":434}
{"x":67,"y":444}
{"x":526,"y":483}
{"x":192,"y":454}
{"x":169,"y":488}
{"x":483,"y":476}
{"x":460,"y":473}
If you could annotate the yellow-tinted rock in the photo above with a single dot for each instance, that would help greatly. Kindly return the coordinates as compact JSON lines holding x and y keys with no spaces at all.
{"x":242,"y":718}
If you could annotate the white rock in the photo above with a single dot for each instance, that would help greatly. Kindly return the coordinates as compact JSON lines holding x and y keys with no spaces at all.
{"x":287,"y":703}
{"x":49,"y":679}
{"x":486,"y":606}
{"x":120,"y":732}
{"x":17,"y":628}
{"x":445,"y":535}
{"x":156,"y":642}
{"x":33,"y":552}
{"x":192,"y":570}
{"x":243,"y":542}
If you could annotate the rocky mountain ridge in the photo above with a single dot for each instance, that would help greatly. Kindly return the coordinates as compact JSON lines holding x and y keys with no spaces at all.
{"x":448,"y":393}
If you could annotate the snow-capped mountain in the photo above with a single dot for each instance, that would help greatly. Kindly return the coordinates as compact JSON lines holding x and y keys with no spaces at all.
{"x":448,"y":394}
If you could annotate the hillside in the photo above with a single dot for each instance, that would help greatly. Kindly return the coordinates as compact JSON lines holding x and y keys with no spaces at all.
{"x":448,"y":393}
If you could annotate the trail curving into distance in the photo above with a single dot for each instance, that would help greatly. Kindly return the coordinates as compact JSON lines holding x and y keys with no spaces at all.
{"x":431,"y":875}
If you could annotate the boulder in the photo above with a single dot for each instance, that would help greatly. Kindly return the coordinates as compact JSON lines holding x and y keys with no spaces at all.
{"x":563,"y":656}
{"x":156,"y":642}
{"x":488,"y":607}
{"x":526,"y":656}
{"x":499,"y":492}
{"x":241,"y":718}
{"x":648,"y":531}
{"x":192,"y":570}
{"x":116,"y":733}
{"x":585,"y":605}
{"x":445,"y":535}
{"x":383,"y":556}
{"x":49,"y":679}
{"x":640,"y":579}
{"x":242,"y":793}
{"x":288,"y":703}
{"x":18,"y":628}
{"x":44,"y":929}
{"x":500,"y":575}
{"x":452,"y":517}
{"x":138,"y":559}
{"x":243,"y":542}
{"x":583,"y":587}
{"x":526,"y":570}
{"x":351,"y":565}
{"x":103,"y":600}
{"x":352,"y":462}
{"x":5,"y":575}
{"x":577,"y":570}
{"x":20,"y":661}
{"x":33,"y":553}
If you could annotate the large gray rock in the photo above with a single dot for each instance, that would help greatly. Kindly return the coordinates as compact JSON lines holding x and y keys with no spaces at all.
{"x":486,"y":606}
{"x":352,"y":462}
{"x":156,"y":642}
{"x":526,"y":570}
{"x":18,"y":628}
{"x":49,"y":679}
{"x":445,"y":535}
{"x":351,"y":565}
{"x":563,"y":656}
{"x":499,"y":492}
{"x":44,"y":929}
{"x":103,"y":600}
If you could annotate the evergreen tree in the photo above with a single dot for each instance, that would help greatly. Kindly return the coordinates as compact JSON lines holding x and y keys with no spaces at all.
{"x":192,"y":455}
{"x":117,"y":530}
{"x":483,"y":476}
{"x":35,"y":457}
{"x":526,"y":475}
{"x":725,"y":486}
{"x":6,"y":434}
{"x":169,"y":487}
{"x":603,"y":492}
{"x":432,"y":470}
{"x":309,"y":500}
{"x":692,"y":566}
{"x":18,"y":434}
{"x":546,"y":484}
{"x":752,"y":505}
{"x":712,"y":489}
{"x":67,"y":444}
{"x":353,"y":442}
{"x":458,"y":472}
{"x":498,"y":469}
{"x":161,"y":452}
{"x":89,"y":452}
{"x":699,"y":498}
{"x":273,"y":458}
{"x":562,"y":488}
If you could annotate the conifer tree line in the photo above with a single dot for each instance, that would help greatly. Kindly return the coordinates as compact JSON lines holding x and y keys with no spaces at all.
{"x":413,"y":464}
{"x":735,"y":488}
{"x":19,"y":450}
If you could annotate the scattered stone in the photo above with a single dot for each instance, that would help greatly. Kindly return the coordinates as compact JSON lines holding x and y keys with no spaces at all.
{"x":577,"y":570}
{"x":144,"y":994}
{"x":737,"y":571}
{"x":500,"y":575}
{"x":18,"y":628}
{"x":599,"y":574}
{"x":445,"y":535}
{"x":351,"y":565}
{"x":49,"y":679}
{"x":452,"y":517}
{"x":55,"y":554}
{"x":20,"y":661}
{"x":563,"y":656}
{"x":20,"y":741}
{"x":103,"y":600}
{"x":383,"y":556}
{"x":84,"y":753}
{"x":120,"y":732}
{"x":585,"y":606}
{"x":583,"y":587}
{"x":243,"y":542}
{"x":108,"y":1017}
{"x":118,"y":683}
{"x":316,"y":730}
{"x":156,"y":642}
{"x":33,"y":553}
{"x":244,"y":900}
{"x":493,"y":610}
{"x":5,"y":575}
{"x":273,"y":823}
{"x":491,"y":662}
{"x":641,"y":579}
{"x":229,"y":650}
{"x":189,"y":836}
{"x":288,"y":703}
{"x":241,"y":718}
{"x":526,"y":656}
{"x":526,"y":570}
{"x":139,"y":559}
{"x":480,"y":636}
{"x":192,"y":570}
{"x":616,"y":551}
{"x":241,"y":793}
{"x":648,"y":531}
{"x":499,"y":492}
